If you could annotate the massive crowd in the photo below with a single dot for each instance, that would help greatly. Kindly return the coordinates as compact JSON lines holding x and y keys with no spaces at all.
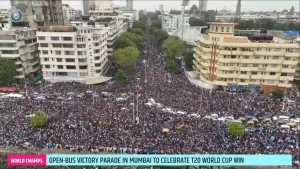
{"x":81,"y":120}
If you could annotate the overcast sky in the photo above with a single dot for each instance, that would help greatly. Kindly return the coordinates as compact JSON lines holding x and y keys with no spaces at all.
{"x":151,"y":5}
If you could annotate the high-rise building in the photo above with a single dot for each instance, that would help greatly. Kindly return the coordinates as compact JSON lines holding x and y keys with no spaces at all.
{"x":238,"y":9}
{"x":73,"y":54}
{"x":173,"y":22}
{"x":129,"y":4}
{"x":37,"y":13}
{"x":226,"y":60}
{"x":161,"y":8}
{"x":202,"y":5}
{"x":69,"y":12}
{"x":19,"y":45}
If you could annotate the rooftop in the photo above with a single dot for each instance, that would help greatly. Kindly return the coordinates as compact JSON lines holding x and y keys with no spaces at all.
{"x":104,"y":20}
{"x":190,"y":34}
{"x":57,"y":29}
{"x":221,"y":23}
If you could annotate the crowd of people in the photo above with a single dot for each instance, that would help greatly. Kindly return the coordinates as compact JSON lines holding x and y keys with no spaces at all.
{"x":80,"y":121}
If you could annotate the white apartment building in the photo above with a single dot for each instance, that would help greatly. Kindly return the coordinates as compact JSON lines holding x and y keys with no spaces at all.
{"x":19,"y":44}
{"x":173,"y":22}
{"x":108,"y":24}
{"x":68,"y":12}
{"x":297,"y":75}
{"x":130,"y":15}
{"x":70,"y":53}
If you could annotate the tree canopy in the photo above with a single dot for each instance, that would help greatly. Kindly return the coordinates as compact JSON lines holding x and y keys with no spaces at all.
{"x":172,"y":47}
{"x":139,"y":24}
{"x":157,"y":24}
{"x":122,"y":42}
{"x":196,"y":22}
{"x":135,"y":38}
{"x":160,"y":35}
{"x":266,"y":24}
{"x":278,"y":93}
{"x":8,"y":71}
{"x":39,"y":119}
{"x":137,"y":31}
{"x":188,"y":60}
{"x":121,"y":76}
{"x":236,"y":129}
{"x":126,"y":58}
{"x":173,"y":66}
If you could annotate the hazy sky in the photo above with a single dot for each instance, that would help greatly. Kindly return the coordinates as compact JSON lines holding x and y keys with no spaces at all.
{"x":151,"y":5}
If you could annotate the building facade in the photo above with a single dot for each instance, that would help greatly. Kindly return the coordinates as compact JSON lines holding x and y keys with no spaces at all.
{"x":68,"y":12}
{"x":72,"y":54}
{"x":20,"y":46}
{"x":129,"y":4}
{"x":297,"y":75}
{"x":38,"y":13}
{"x":202,"y":6}
{"x":173,"y":22}
{"x":209,"y":15}
{"x":225,"y":60}
{"x":130,"y":15}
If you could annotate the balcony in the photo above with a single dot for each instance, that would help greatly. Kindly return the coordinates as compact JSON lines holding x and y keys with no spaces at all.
{"x":247,"y":53}
{"x":206,"y":49}
{"x":270,"y":77}
{"x":295,"y":54}
{"x":273,"y":69}
{"x":236,"y":52}
{"x":224,"y":52}
{"x":206,"y":56}
{"x":205,"y":64}
{"x":257,"y":77}
{"x":284,"y":85}
{"x":223,"y":67}
{"x":246,"y":61}
{"x":222,"y":60}
{"x":284,"y":78}
{"x":241,"y":76}
{"x":267,"y":61}
{"x":204,"y":71}
{"x":288,"y":70}
{"x":290,"y":62}
{"x":220,"y":83}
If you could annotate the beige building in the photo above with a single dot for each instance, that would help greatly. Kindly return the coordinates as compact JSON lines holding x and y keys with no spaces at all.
{"x":222,"y":59}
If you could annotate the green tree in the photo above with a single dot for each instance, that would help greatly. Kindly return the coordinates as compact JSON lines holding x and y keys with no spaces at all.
{"x":173,"y":66}
{"x":8,"y":71}
{"x":122,"y":42}
{"x":135,"y":38}
{"x":278,"y":93}
{"x":139,"y":24}
{"x":39,"y":119}
{"x":159,"y":35}
{"x":196,"y":22}
{"x":121,"y":76}
{"x":157,"y":24}
{"x":236,"y":129}
{"x":172,"y":47}
{"x":188,"y":60}
{"x":137,"y":31}
{"x":126,"y":58}
{"x":245,"y":24}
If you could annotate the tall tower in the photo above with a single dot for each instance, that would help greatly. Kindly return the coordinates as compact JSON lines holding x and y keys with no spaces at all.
{"x":129,"y":4}
{"x":238,"y":9}
{"x":202,"y":5}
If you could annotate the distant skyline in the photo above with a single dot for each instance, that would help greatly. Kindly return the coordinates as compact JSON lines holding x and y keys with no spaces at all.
{"x":247,"y":5}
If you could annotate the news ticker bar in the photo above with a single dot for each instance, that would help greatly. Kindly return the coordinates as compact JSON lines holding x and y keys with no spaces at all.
{"x":146,"y":160}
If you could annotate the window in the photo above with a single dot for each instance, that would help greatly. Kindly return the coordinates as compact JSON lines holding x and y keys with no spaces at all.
{"x":81,"y":60}
{"x":242,"y":80}
{"x":96,"y":44}
{"x":67,"y":45}
{"x":69,"y":52}
{"x":97,"y":51}
{"x":97,"y":58}
{"x":266,"y":57}
{"x":82,"y":67}
{"x":283,"y":74}
{"x":256,"y":57}
{"x":258,"y":49}
{"x":217,"y":29}
{"x":285,"y":66}
{"x":80,"y":45}
{"x":273,"y":65}
{"x":57,"y":52}
{"x":231,"y":72}
{"x":97,"y":64}
{"x":276,"y":57}
{"x":272,"y":73}
{"x":41,"y":38}
{"x":252,"y":80}
{"x":80,"y":53}
{"x":230,"y":79}
{"x":43,"y":45}
{"x":45,"y":52}
{"x":233,"y":57}
{"x":70,"y":60}
{"x":243,"y":72}
{"x":98,"y":71}
{"x":55,"y":38}
{"x":253,"y":73}
{"x":70,"y":67}
{"x":47,"y":66}
{"x":59,"y":59}
{"x":83,"y":74}
{"x":277,"y":50}
{"x":46,"y":59}
{"x":270,"y":81}
{"x":246,"y":57}
{"x":222,"y":29}
{"x":244,"y":65}
{"x":61,"y":73}
{"x":56,"y":45}
{"x":60,"y":66}
{"x":227,"y":29}
{"x":287,"y":58}
{"x":67,"y":38}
